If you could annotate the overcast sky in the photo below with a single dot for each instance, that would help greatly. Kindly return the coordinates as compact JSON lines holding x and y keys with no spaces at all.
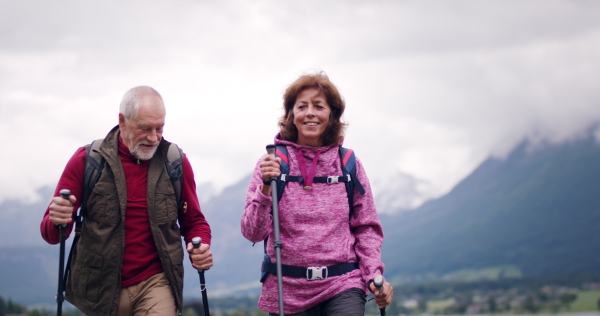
{"x":432,"y":87}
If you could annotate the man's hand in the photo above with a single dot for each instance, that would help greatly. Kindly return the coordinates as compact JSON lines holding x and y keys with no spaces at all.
{"x":61,"y":210}
{"x":201,"y":257}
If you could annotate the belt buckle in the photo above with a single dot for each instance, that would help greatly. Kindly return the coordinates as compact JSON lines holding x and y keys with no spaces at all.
{"x":332,"y":179}
{"x":316,"y":273}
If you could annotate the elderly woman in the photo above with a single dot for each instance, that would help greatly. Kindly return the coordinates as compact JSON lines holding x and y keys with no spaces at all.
{"x":316,"y":227}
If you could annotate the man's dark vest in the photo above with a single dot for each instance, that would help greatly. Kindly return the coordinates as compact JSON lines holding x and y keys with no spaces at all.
{"x":94,"y":283}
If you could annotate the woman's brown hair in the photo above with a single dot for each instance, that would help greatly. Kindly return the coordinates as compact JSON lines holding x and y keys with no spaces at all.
{"x":334,"y":132}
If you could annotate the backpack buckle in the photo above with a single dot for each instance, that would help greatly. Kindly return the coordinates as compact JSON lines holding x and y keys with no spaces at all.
{"x":316,"y":273}
{"x":332,"y":179}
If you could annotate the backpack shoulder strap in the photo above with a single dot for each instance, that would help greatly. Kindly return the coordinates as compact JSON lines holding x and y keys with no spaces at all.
{"x":174,"y":164}
{"x":348,"y":160}
{"x":94,"y":163}
{"x":282,"y":152}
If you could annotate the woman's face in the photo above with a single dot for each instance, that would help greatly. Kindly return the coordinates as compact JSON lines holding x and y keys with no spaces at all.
{"x":311,"y":116}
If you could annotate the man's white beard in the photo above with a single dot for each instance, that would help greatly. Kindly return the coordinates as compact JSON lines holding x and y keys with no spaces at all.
{"x":138,"y":153}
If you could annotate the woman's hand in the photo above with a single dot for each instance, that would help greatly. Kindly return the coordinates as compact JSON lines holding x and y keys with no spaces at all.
{"x":383,"y":298}
{"x":269,"y":168}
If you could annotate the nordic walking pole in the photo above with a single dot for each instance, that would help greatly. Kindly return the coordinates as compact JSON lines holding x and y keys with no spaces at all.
{"x":278,"y":245}
{"x":196,"y":241}
{"x":378,"y":282}
{"x":64,"y":193}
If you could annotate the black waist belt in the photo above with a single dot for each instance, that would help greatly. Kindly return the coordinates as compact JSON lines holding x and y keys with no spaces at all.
{"x":310,"y":273}
{"x":328,"y":180}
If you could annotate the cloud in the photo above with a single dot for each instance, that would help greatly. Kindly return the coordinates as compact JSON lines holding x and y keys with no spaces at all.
{"x":432,"y":87}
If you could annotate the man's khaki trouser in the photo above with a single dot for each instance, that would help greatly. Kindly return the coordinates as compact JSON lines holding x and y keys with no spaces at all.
{"x":149,"y":297}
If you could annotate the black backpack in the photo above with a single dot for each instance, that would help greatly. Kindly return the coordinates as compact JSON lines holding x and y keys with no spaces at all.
{"x":94,"y":164}
{"x":349,"y":178}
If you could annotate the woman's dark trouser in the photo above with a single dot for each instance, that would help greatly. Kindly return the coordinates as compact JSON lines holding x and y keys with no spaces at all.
{"x":348,"y":303}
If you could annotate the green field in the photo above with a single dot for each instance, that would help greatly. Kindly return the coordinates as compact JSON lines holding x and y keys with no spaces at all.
{"x":586,"y":301}
{"x":489,"y":273}
{"x":439,"y":305}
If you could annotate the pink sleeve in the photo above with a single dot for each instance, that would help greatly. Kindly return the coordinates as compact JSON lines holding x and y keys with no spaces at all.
{"x":367,"y":229}
{"x":256,"y":223}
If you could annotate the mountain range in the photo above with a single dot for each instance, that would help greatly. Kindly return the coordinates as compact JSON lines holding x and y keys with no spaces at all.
{"x":535,"y":212}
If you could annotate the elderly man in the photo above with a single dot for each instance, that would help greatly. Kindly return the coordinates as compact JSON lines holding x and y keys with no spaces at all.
{"x":129,"y":258}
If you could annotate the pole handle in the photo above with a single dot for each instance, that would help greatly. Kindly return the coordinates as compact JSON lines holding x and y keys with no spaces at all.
{"x":65,"y":194}
{"x":196,"y":241}
{"x":271,"y":150}
{"x":378,"y":282}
